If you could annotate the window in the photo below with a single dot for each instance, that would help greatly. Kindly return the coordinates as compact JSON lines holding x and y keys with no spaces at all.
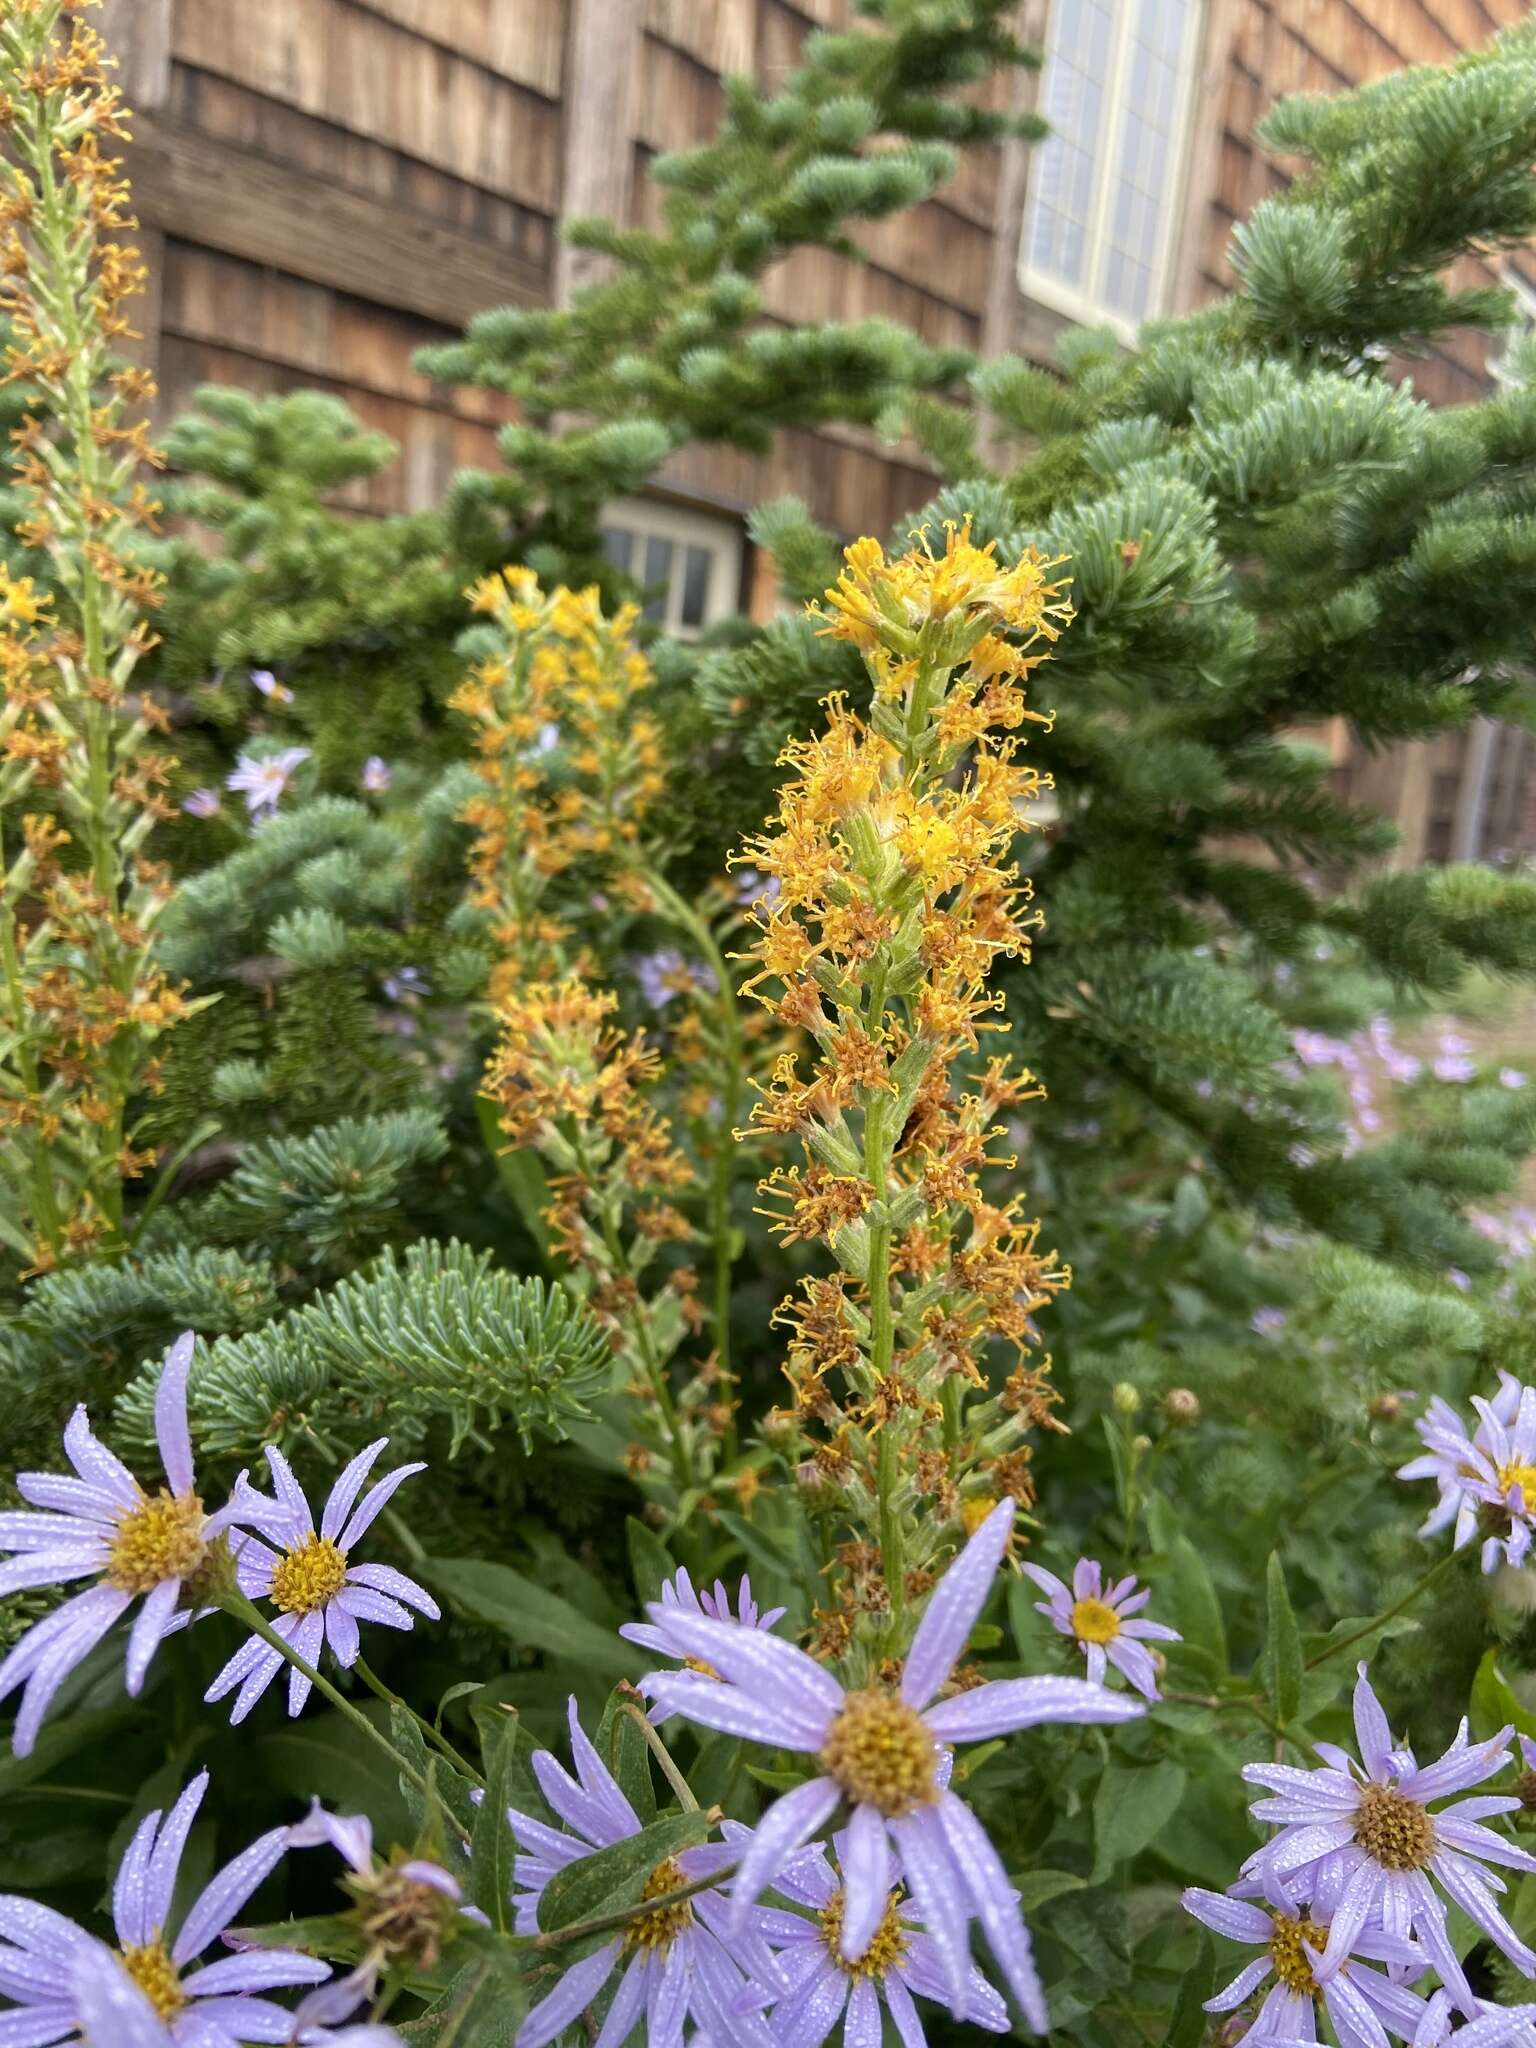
{"x":689,"y":561}
{"x":1104,"y":187}
{"x":1521,"y":329}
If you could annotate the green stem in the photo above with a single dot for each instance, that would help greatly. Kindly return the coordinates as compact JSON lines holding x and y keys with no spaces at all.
{"x":663,"y":1756}
{"x":433,"y":1734}
{"x":605,"y":1923}
{"x":1436,"y":1571}
{"x":882,"y":1345}
{"x":234,"y":1602}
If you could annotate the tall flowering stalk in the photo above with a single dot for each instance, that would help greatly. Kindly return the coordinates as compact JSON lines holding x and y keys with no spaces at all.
{"x":81,"y":783}
{"x":571,"y":760}
{"x":890,"y":897}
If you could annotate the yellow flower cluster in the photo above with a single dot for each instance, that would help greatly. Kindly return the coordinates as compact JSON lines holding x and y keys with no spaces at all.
{"x":890,"y":897}
{"x":81,"y":784}
{"x":570,"y":760}
{"x":572,"y":1087}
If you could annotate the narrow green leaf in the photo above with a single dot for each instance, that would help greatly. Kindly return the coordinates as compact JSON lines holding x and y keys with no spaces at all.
{"x":1280,"y":1664}
{"x":520,"y":1174}
{"x":1188,"y":2026}
{"x":481,"y":2008}
{"x":650,"y":1562}
{"x":1038,"y":1887}
{"x":492,"y":1848}
{"x":1132,"y":1806}
{"x":622,"y":1746}
{"x":616,"y":1877}
{"x":533,"y":1617}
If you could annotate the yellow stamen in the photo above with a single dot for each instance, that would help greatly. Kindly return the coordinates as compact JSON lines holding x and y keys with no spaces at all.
{"x":883,"y":1953}
{"x":309,"y":1576}
{"x":161,"y":1538}
{"x":1397,"y":1832}
{"x":1095,"y":1621}
{"x":1523,"y":1476}
{"x":152,"y":1970}
{"x":880,"y":1751}
{"x":1288,"y":1952}
{"x":658,"y":1930}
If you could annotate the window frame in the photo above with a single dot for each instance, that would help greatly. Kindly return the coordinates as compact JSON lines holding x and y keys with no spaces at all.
{"x":1044,"y":286}
{"x":721,"y":537}
{"x":1524,"y":323}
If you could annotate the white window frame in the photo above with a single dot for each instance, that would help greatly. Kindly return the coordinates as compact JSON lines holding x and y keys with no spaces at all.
{"x":1524,"y":322}
{"x":720,"y":537}
{"x":1055,"y":292}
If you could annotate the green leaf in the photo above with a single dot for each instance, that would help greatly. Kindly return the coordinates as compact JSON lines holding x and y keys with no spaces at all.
{"x":650,"y":1562}
{"x":1280,"y":1664}
{"x":58,"y":1740}
{"x":533,"y":1617}
{"x":481,"y":2008}
{"x":1493,"y":1705}
{"x":324,"y":1758}
{"x":1188,"y":2025}
{"x":450,"y":1791}
{"x":1193,"y":1607}
{"x":520,"y":1173}
{"x":622,"y":1746}
{"x":1037,"y":1887}
{"x":616,"y":1877}
{"x":492,"y":1848}
{"x":332,"y":1935}
{"x":1132,"y":1806}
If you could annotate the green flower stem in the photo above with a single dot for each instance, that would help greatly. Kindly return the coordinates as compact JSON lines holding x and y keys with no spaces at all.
{"x":432,"y":1733}
{"x":1435,"y":1572}
{"x":607,"y":1923}
{"x":882,"y":1344}
{"x":234,"y":1602}
{"x":733,"y":1071}
{"x":663,"y":1756}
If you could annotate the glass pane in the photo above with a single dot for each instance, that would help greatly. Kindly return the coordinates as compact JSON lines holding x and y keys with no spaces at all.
{"x":1066,"y":169}
{"x":619,"y":547}
{"x":658,"y":569}
{"x":696,"y":567}
{"x":1142,"y":179}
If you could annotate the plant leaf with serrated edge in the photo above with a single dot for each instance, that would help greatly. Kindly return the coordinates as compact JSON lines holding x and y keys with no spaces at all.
{"x":616,"y":1877}
{"x":1187,"y":2027}
{"x":1280,"y":1664}
{"x":650,"y":1562}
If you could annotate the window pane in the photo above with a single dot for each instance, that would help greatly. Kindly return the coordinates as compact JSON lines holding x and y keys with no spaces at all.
{"x":696,"y":567}
{"x":1065,"y":169}
{"x":1142,"y":195}
{"x":658,"y":569}
{"x":619,"y":547}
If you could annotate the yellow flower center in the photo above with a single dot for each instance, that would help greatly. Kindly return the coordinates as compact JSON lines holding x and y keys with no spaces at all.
{"x":161,"y":1538}
{"x":1523,"y":1476}
{"x":883,"y":1953}
{"x":152,"y":1970}
{"x":881,"y":1753}
{"x":1094,"y":1621}
{"x":1397,"y":1832}
{"x":660,"y":1929}
{"x":1288,"y":1952}
{"x":308,"y":1576}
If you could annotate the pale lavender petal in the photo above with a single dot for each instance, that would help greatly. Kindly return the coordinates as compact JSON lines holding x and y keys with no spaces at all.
{"x":114,"y":2013}
{"x":48,"y":1568}
{"x":1360,"y":1897}
{"x":1150,"y":1632}
{"x":374,"y":1501}
{"x":666,"y":2005}
{"x":981,"y":1869}
{"x":264,"y":1668}
{"x":1430,"y":1928}
{"x":569,"y":1999}
{"x":1235,"y":1918}
{"x":1097,"y":1662}
{"x":862,"y":2027}
{"x":221,"y":1899}
{"x":577,"y":1807}
{"x":433,"y":1876}
{"x":75,"y":1497}
{"x":149,"y":1627}
{"x":91,"y":1615}
{"x":383,"y":1578}
{"x":241,"y":2019}
{"x":1462,"y":1766}
{"x":130,"y":1888}
{"x":908,"y":2024}
{"x":941,"y":1898}
{"x":367,"y":1605}
{"x":341,"y":1635}
{"x":1473,"y":1840}
{"x":348,"y":1486}
{"x":1462,"y":1880}
{"x":1307,"y":1844}
{"x":1371,"y":1730}
{"x":1087,"y":1579}
{"x":292,"y":1498}
{"x":953,"y":1607}
{"x":1137,"y":1665}
{"x":625,"y":2009}
{"x":786,"y":1826}
{"x":39,"y":2025}
{"x":1047,"y":1582}
{"x":239,"y":1666}
{"x":1006,"y":1704}
{"x":306,"y":1639}
{"x":171,"y":1431}
{"x":546,"y":1842}
{"x":98,"y":1466}
{"x":732,"y":1710}
{"x":775,"y":1670}
{"x":349,"y":1834}
{"x":1247,"y":1980}
{"x":165,"y":1862}
{"x":805,"y":2020}
{"x":272,"y":1969}
{"x":866,"y":1861}
{"x":22,"y":1531}
{"x":1314,"y":1786}
{"x":596,"y":1778}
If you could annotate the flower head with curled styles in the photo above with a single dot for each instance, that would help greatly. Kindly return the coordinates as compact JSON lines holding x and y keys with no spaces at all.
{"x":675,"y":1963}
{"x":1104,"y":1625}
{"x":101,"y":1524}
{"x":900,"y":1965}
{"x":1363,"y":1835}
{"x":1487,"y":1479}
{"x":197,"y":2006}
{"x":880,"y":1753}
{"x":310,"y":1577}
{"x":1289,"y":1924}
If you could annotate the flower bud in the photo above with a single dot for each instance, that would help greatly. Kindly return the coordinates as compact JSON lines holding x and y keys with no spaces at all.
{"x":1126,"y":1398}
{"x":1384,"y":1407}
{"x":1181,"y":1405}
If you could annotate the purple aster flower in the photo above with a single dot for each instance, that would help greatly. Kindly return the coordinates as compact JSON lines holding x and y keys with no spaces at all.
{"x":1102,"y":1624}
{"x":1489,"y":1474}
{"x":262,"y":782}
{"x":678,"y":1594}
{"x":1511,"y":2026}
{"x":104,"y":2002}
{"x":270,"y":688}
{"x":880,"y":1751}
{"x":1291,"y":1928}
{"x":664,"y":974}
{"x":674,"y":1963}
{"x":1268,"y":1322}
{"x":219,"y":2002}
{"x":1511,"y":1077}
{"x":823,"y":1988}
{"x":405,"y":984}
{"x":321,"y":1593}
{"x":102,"y":1525}
{"x":1363,"y":1835}
{"x":1453,"y":1066}
{"x":377,"y":775}
{"x":202,"y":803}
